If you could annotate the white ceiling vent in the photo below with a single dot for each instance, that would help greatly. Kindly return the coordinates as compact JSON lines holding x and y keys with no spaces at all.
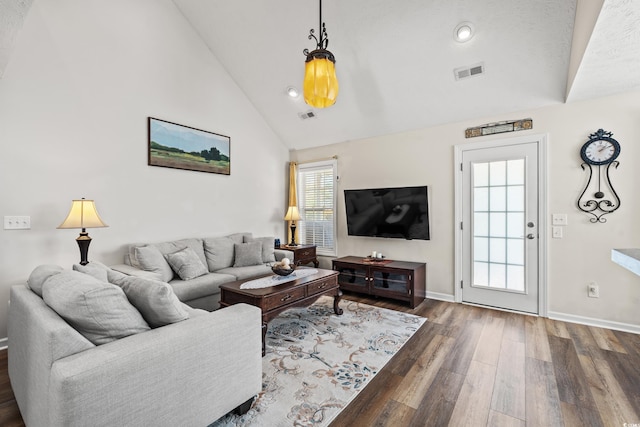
{"x":307,"y":115}
{"x":469,"y":71}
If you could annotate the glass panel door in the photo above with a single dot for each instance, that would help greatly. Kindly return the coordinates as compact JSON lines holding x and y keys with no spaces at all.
{"x":499,"y":227}
{"x":498,"y":224}
{"x":389,"y":281}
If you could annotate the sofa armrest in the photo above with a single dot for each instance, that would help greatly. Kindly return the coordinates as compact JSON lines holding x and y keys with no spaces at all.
{"x":187,"y":373}
{"x":133,"y":271}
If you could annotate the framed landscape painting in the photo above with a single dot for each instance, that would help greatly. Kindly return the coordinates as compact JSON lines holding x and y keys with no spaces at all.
{"x":182,"y":147}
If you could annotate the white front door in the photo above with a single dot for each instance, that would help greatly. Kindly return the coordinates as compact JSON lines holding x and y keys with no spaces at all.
{"x":500,"y":226}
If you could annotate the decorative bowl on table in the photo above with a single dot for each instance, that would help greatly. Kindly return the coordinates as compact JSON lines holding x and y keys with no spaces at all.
{"x":282,"y":271}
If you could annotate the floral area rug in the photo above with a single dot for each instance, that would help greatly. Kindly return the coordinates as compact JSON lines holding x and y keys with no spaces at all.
{"x":317,"y":362}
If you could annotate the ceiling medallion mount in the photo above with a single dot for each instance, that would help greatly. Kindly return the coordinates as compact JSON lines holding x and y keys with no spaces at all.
{"x":320,"y":86}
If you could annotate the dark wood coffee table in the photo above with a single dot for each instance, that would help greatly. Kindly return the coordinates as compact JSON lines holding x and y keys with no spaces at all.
{"x":275,"y":299}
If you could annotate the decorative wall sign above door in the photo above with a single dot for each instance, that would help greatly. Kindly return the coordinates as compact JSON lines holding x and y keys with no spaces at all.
{"x":499,"y":127}
{"x":599,"y":153}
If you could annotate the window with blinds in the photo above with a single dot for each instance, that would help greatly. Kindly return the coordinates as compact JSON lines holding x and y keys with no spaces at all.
{"x":316,"y":202}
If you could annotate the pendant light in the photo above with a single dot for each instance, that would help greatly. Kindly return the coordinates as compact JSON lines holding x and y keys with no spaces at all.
{"x":320,"y":86}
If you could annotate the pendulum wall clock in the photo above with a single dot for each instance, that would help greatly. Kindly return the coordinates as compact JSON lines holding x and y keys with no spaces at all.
{"x":599,"y":154}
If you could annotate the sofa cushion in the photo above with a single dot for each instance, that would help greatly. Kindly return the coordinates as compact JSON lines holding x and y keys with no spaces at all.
{"x":186,"y":264}
{"x":94,"y":269}
{"x":209,"y":284}
{"x":151,"y":259}
{"x":155,"y":300}
{"x":99,"y":311}
{"x":268,"y":254}
{"x":219,"y":252}
{"x":176,"y":245}
{"x":247,"y":254}
{"x":239,"y":237}
{"x":40,"y":274}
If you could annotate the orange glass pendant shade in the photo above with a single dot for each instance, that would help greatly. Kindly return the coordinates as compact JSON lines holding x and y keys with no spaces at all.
{"x":320,"y":85}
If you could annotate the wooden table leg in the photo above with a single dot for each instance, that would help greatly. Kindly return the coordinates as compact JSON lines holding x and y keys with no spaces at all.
{"x":264,"y":337}
{"x":336,"y":302}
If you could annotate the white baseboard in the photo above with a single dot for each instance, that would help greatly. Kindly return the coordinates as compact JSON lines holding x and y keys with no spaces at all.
{"x":440,"y":297}
{"x":3,"y":343}
{"x":600,"y":323}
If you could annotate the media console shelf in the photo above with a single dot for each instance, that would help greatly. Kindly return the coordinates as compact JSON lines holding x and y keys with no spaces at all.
{"x":399,"y":280}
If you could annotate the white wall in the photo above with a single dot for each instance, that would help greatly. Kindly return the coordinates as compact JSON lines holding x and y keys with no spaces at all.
{"x":74,"y":101}
{"x":426,"y":157}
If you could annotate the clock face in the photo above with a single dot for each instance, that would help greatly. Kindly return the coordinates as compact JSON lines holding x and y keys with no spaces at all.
{"x":600,"y":151}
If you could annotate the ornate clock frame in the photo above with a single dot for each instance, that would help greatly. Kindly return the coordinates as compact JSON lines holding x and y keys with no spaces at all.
{"x":599,"y":205}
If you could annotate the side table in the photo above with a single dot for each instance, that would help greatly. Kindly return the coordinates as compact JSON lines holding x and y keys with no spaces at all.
{"x":303,"y":254}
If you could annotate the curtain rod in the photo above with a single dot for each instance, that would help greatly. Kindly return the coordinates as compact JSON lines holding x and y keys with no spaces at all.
{"x":335,"y":157}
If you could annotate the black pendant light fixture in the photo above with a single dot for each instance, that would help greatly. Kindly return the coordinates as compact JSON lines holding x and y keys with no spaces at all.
{"x":320,"y":86}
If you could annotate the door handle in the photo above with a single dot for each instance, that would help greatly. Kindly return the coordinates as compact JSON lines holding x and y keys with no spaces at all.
{"x":530,"y":236}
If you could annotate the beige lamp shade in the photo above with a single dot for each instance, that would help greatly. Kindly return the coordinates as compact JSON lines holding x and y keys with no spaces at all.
{"x":292,"y":214}
{"x":83,"y":214}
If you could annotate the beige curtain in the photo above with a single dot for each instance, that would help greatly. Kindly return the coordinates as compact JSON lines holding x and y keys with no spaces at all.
{"x":293,"y":195}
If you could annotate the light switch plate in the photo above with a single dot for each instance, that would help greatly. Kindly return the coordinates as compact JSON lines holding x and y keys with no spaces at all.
{"x":556,"y":232}
{"x":14,"y":222}
{"x":559,"y":219}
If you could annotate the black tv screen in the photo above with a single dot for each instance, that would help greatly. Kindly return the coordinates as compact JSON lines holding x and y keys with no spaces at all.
{"x":401,"y":212}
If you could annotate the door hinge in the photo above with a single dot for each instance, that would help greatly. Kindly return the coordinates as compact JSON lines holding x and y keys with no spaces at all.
{"x":461,"y":284}
{"x":460,"y":167}
{"x":461,"y":228}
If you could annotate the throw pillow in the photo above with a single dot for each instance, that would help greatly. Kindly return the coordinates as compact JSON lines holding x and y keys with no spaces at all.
{"x":219,"y":252}
{"x":154,"y":299}
{"x":151,"y":259}
{"x":186,"y":264}
{"x":268,"y":253}
{"x":248,"y":254}
{"x":39,"y":275}
{"x":99,"y":311}
{"x":94,"y":269}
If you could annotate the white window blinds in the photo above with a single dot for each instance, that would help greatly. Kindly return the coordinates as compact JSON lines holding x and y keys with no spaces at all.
{"x":317,"y":201}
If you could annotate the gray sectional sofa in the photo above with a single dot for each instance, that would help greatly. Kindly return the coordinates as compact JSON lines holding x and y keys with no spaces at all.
{"x":203,"y":265}
{"x":95,"y":347}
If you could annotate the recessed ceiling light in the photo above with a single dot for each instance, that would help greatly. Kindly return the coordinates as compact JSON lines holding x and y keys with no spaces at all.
{"x":463,"y":32}
{"x":292,"y":92}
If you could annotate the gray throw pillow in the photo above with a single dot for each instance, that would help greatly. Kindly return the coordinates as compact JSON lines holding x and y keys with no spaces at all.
{"x":248,"y":254}
{"x":40,"y":274}
{"x":219,"y":252}
{"x":154,"y":299}
{"x":268,"y":253}
{"x":94,"y":269}
{"x":151,"y":259}
{"x":186,"y":264}
{"x":99,"y":311}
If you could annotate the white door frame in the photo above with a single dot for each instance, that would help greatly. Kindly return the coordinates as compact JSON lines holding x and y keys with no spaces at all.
{"x":541,"y":140}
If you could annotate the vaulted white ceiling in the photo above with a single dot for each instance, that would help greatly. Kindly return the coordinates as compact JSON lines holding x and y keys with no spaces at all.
{"x":395,"y":60}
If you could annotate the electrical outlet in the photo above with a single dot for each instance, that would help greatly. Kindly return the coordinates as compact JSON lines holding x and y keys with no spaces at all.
{"x":593,"y":291}
{"x":557,"y":232}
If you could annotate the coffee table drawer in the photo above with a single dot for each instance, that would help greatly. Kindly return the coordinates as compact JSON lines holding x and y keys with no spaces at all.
{"x":283,"y":298}
{"x":321,"y":286}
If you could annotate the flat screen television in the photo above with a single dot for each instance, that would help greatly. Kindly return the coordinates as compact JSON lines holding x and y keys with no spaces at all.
{"x":400,"y":212}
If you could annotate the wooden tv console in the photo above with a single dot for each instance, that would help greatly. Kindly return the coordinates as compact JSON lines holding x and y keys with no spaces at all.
{"x":400,"y":280}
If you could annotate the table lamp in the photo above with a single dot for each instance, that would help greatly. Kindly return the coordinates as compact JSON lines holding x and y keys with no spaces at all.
{"x":83,"y":214}
{"x":293,"y":215}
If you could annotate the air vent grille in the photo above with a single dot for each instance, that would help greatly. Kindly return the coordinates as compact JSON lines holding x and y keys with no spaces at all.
{"x":468,"y":71}
{"x":307,"y":115}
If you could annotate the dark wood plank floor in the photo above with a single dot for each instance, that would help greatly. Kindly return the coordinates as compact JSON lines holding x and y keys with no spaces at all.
{"x":479,"y":367}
